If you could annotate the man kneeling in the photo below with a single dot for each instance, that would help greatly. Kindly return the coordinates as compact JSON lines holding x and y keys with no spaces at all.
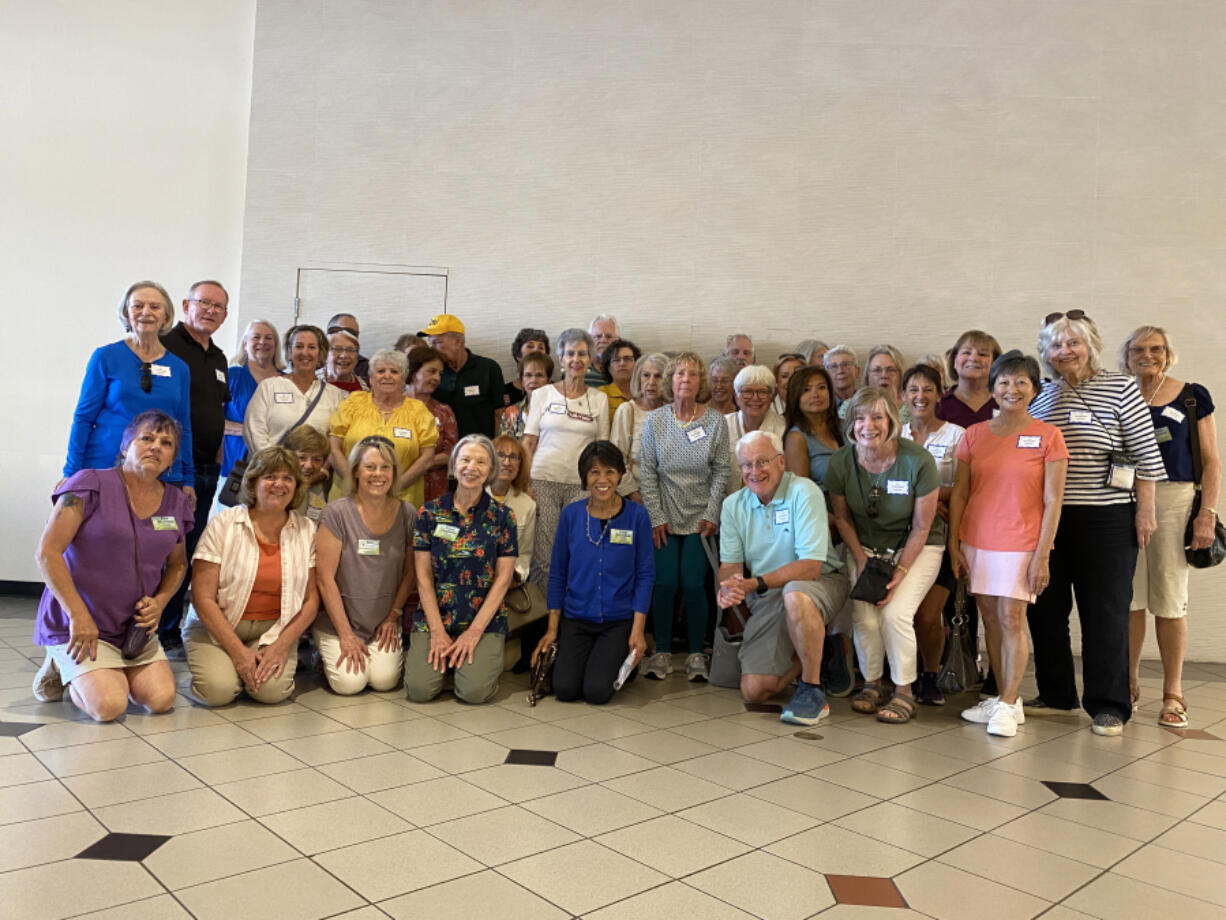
{"x":775,"y":554}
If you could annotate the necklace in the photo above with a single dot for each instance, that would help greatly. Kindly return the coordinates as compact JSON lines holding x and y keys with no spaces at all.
{"x":686,"y":422}
{"x":1149,"y":400}
{"x":604,"y":523}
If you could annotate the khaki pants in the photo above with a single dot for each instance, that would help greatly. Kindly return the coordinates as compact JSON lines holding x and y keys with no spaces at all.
{"x":475,"y":682}
{"x":215,"y":682}
{"x":382,"y":671}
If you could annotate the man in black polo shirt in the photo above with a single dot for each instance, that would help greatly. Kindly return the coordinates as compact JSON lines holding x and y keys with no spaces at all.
{"x":204,"y":310}
{"x":471,"y":385}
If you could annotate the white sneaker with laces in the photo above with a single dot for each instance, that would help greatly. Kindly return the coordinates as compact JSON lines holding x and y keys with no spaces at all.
{"x":1004,"y":719}
{"x":981,"y":712}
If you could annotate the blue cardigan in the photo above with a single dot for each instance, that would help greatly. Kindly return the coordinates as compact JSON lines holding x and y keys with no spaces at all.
{"x":111,"y":397}
{"x":606,"y":583}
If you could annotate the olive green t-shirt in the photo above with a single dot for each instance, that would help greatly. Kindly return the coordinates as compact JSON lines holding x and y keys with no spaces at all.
{"x":913,"y":475}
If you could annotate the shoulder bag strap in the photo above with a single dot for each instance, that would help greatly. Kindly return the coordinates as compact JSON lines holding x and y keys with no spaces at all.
{"x":307,"y":414}
{"x":1189,"y":403}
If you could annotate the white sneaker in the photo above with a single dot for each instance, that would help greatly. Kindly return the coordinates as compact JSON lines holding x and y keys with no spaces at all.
{"x":658,"y":666}
{"x":981,"y":712}
{"x":1004,"y":719}
{"x":48,"y":688}
{"x":697,"y":667}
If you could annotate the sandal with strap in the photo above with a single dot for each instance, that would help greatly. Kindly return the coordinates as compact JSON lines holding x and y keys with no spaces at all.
{"x":898,"y":711}
{"x":867,"y":700}
{"x":1135,"y":693}
{"x":1178,"y":709}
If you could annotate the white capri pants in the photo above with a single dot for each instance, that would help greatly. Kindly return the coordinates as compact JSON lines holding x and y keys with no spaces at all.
{"x":382,"y":671}
{"x":890,"y":630}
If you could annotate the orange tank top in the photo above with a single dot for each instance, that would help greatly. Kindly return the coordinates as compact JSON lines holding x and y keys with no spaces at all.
{"x":265,"y":600}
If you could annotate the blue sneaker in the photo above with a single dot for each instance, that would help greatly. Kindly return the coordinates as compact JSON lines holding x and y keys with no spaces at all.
{"x":837,"y":664}
{"x":808,"y":705}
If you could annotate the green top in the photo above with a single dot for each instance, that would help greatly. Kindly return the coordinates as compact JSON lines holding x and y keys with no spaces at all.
{"x":914,"y":474}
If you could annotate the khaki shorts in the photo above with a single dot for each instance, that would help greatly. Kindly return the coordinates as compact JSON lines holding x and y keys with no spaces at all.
{"x":1160,"y":582}
{"x":766,"y":647}
{"x":110,"y":658}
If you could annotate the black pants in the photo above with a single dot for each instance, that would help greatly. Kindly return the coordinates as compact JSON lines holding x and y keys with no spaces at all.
{"x":589,"y":657}
{"x":1094,"y":555}
{"x":206,"y":487}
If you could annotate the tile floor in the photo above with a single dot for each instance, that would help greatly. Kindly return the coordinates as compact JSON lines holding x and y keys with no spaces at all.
{"x":673,"y":801}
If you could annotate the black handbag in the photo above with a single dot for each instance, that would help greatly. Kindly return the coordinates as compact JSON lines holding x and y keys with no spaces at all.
{"x":960,"y":663}
{"x":1215,"y":552}
{"x":541,"y":683}
{"x":872,"y":585}
{"x":231,"y":491}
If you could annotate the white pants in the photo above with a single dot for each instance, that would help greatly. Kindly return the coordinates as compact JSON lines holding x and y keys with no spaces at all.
{"x":890,"y":630}
{"x":382,"y":671}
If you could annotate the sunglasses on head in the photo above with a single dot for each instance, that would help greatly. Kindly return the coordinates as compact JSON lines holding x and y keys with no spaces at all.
{"x":1071,"y":314}
{"x":873,"y":507}
{"x":376,"y":439}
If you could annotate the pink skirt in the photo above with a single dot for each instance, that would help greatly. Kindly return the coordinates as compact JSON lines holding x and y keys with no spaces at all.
{"x":998,"y":574}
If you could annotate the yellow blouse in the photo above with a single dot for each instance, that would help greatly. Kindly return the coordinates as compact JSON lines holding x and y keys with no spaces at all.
{"x":410,"y":427}
{"x":613,"y":391}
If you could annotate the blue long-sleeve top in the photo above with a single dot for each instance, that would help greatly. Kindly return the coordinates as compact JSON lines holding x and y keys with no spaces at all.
{"x":602,"y":575}
{"x":242,"y":387}
{"x":111,"y":397}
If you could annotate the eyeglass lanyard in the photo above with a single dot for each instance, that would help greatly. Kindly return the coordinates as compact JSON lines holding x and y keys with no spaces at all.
{"x":860,"y":482}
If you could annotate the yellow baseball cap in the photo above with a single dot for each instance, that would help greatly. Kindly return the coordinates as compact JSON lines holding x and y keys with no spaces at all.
{"x":443,"y":322}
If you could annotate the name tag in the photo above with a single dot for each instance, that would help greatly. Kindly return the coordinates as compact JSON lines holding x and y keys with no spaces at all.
{"x":1174,"y":415}
{"x":696,"y":434}
{"x":368,"y":547}
{"x":783,"y":516}
{"x":897,"y":487}
{"x":1080,"y":416}
{"x":557,"y":409}
{"x":283,"y":398}
{"x":402,"y":433}
{"x":164,"y":522}
{"x":1029,"y":440}
{"x":938,"y":451}
{"x":624,"y":537}
{"x":1162,"y":435}
{"x":995,"y":412}
{"x":472,"y":391}
{"x":438,"y":423}
{"x":446,"y":532}
{"x":221,"y":375}
{"x":159,"y":370}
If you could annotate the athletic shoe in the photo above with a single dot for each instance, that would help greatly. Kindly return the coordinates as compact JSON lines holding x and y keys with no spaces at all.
{"x":1005,"y":719}
{"x":928,"y":692}
{"x":48,"y":688}
{"x":838,"y":665}
{"x":1036,"y":707}
{"x":697,"y":666}
{"x":981,"y":712}
{"x":658,"y":666}
{"x":1107,"y":723}
{"x":807,"y":706}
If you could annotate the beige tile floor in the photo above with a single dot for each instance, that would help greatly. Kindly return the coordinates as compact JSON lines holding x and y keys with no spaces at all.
{"x":673,"y":801}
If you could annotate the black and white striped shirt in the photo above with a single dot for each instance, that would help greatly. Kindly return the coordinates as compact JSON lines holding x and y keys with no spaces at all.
{"x":1103,"y":414}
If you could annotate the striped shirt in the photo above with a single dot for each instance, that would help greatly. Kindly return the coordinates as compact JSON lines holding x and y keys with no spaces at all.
{"x":685,"y":469}
{"x":1102,"y":415}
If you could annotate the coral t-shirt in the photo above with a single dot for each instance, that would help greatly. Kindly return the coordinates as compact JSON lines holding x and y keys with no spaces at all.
{"x":1005,"y":509}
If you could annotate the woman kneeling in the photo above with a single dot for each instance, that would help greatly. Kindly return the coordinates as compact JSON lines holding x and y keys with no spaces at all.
{"x":600,"y":582}
{"x":253,"y":588}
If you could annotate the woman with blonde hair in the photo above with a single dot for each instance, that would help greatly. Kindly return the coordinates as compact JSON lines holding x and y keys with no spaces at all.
{"x":646,"y":391}
{"x":258,"y":358}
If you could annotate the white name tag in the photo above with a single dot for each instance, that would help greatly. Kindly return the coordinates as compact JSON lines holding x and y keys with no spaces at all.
{"x":164,"y":522}
{"x":402,"y":433}
{"x":446,"y":532}
{"x":221,"y":375}
{"x":1080,"y":416}
{"x":159,"y":370}
{"x":938,"y":451}
{"x":624,"y":537}
{"x":438,"y":423}
{"x":557,"y":409}
{"x":1174,"y":415}
{"x":783,"y":515}
{"x":283,"y":397}
{"x":472,"y":391}
{"x":995,"y":412}
{"x":897,"y":487}
{"x":368,"y":547}
{"x":1029,"y":440}
{"x":696,"y":434}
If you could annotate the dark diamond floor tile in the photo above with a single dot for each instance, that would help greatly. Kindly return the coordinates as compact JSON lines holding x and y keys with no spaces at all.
{"x":15,"y":729}
{"x":865,"y":891}
{"x":123,"y":847}
{"x":1075,"y":791}
{"x":1193,"y":734}
{"x":532,"y":758}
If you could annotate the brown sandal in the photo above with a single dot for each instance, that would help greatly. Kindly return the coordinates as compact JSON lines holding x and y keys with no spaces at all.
{"x":898,"y":711}
{"x":1178,"y":709}
{"x":867,"y":700}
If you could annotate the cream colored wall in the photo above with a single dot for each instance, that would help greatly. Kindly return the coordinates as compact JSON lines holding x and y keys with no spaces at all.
{"x":124,"y":157}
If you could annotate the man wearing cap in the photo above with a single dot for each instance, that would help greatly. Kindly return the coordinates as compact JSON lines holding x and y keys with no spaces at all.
{"x":472,"y":385}
{"x":349,"y":323}
{"x":775,"y":555}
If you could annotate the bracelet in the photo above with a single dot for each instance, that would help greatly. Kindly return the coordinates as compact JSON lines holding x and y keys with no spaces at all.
{"x":1205,"y":508}
{"x":905,"y":570}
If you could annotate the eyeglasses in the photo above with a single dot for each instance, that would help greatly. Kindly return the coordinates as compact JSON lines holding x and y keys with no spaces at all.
{"x":208,"y":304}
{"x":622,"y":359}
{"x":760,"y":464}
{"x":756,"y":393}
{"x":146,"y":377}
{"x":1137,"y":350}
{"x":508,"y":457}
{"x":840,"y":365}
{"x":1071,"y":314}
{"x":873,"y":507}
{"x":344,"y":351}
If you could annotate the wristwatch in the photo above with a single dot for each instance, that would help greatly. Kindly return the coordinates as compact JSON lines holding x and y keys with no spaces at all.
{"x":761,"y":589}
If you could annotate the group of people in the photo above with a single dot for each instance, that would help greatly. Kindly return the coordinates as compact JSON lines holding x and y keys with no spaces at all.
{"x":433,"y":510}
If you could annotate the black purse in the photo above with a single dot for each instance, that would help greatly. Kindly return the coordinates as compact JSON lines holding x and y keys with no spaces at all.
{"x":960,"y":663}
{"x":1215,"y":552}
{"x":231,"y":491}
{"x":872,"y":585}
{"x":541,"y":681}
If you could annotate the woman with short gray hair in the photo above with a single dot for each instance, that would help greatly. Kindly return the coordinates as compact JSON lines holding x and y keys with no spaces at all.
{"x":755,"y":391}
{"x":721,"y":374}
{"x":563,"y":418}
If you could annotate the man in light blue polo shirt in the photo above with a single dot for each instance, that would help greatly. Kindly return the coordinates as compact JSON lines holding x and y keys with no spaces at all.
{"x":775,"y":555}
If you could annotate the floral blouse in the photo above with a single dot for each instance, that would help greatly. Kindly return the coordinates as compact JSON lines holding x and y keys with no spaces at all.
{"x":464,"y":552}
